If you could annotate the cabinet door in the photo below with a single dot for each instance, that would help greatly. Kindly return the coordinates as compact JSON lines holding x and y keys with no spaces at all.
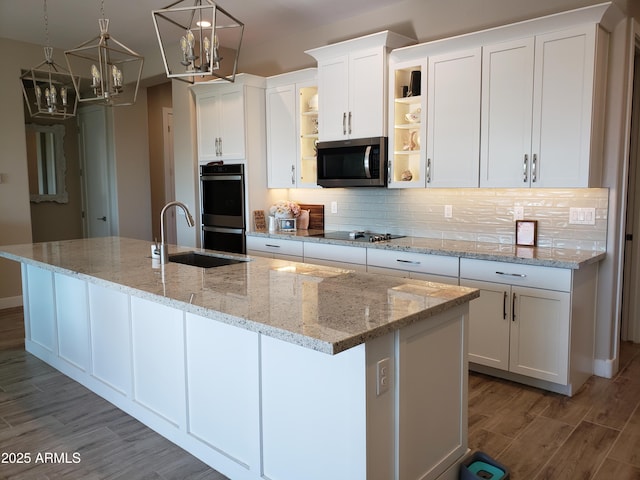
{"x":507,"y":93}
{"x":208,"y":128}
{"x":333,"y":98}
{"x":563,"y":96}
{"x":540,"y":334}
{"x":281,"y":136}
{"x":365,"y":117}
{"x":453,"y":125}
{"x":489,"y":324}
{"x":231,"y":125}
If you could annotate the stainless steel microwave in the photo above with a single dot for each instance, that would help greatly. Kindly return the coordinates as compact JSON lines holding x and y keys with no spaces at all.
{"x":353,"y":163}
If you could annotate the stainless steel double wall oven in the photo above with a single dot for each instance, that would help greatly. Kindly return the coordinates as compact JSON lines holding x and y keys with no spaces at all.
{"x":223,"y":207}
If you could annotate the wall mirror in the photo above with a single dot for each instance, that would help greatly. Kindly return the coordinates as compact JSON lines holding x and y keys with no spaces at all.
{"x":47,"y":165}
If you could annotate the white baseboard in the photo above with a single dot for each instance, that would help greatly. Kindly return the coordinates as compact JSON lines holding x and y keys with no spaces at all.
{"x":606,"y":368}
{"x":10,"y":302}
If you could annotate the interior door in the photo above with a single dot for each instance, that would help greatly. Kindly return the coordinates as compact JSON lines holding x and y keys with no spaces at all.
{"x":94,"y":151}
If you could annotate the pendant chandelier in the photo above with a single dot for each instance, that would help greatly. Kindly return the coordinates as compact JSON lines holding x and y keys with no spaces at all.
{"x":198,"y":38}
{"x":106,"y":67}
{"x":49,"y":88}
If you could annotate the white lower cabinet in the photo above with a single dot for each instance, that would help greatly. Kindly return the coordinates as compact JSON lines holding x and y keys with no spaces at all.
{"x":275,"y":248}
{"x":522,"y":322}
{"x":341,"y":256}
{"x":421,"y":266}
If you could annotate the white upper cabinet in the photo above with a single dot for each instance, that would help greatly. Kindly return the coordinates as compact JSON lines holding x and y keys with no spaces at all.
{"x":538,"y":98}
{"x":507,"y":100}
{"x":453,"y":119}
{"x":222,"y":121}
{"x":292,"y":129}
{"x":352,"y":86}
{"x":563,"y":101}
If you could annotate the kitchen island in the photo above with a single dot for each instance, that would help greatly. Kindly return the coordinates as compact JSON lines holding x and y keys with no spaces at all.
{"x":264,"y":368}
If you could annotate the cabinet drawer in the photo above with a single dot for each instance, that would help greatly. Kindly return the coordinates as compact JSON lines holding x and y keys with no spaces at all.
{"x":275,"y":245}
{"x":413,"y":262}
{"x":336,"y":253}
{"x":549,"y":278}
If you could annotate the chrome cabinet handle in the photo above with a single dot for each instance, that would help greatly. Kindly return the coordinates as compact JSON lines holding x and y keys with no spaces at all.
{"x":428,"y":170}
{"x":271,"y":246}
{"x":524,"y":168}
{"x":513,"y":308}
{"x":520,"y":275}
{"x":217,"y":144}
{"x":534,"y":168}
{"x":293,"y":174}
{"x":389,"y":172}
{"x":349,"y":123}
{"x":344,"y":123}
{"x":408,"y":261}
{"x":220,"y":143}
{"x":504,"y":305}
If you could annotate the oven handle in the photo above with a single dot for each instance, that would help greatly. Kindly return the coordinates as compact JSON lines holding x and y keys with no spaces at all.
{"x":239,"y":231}
{"x":220,"y":177}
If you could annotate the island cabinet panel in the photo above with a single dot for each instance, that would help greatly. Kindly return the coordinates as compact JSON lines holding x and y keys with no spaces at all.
{"x":72,"y":314}
{"x":110,"y":333}
{"x":223,"y":390}
{"x":42,"y":321}
{"x":158,"y":359}
{"x":422,"y":266}
{"x":313,"y":402}
{"x":432,"y":427}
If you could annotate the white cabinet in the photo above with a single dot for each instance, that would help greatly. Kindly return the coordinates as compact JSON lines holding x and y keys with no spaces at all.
{"x":352,"y":86}
{"x":422,"y":266}
{"x":521,"y":321}
{"x":341,"y":256}
{"x":453,"y":119}
{"x":275,"y":248}
{"x":539,"y":104}
{"x":292,"y":129}
{"x":407,"y":166}
{"x":224,"y":115}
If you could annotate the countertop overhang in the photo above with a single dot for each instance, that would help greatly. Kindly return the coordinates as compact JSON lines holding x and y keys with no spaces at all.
{"x":322,"y":308}
{"x":541,"y":256}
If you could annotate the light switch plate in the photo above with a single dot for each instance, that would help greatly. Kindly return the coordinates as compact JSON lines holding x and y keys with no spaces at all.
{"x":582,"y":216}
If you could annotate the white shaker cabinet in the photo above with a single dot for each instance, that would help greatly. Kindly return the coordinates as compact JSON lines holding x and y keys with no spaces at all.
{"x":453,"y":119}
{"x":340,"y":256}
{"x":540,"y":99}
{"x":352,"y":86}
{"x":534,"y":322}
{"x":226,"y":114}
{"x":275,"y":248}
{"x":292,"y":129}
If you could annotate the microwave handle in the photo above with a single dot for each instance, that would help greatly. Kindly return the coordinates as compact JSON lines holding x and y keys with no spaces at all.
{"x":367,"y":154}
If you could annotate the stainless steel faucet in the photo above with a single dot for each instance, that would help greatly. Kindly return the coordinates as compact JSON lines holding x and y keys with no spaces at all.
{"x":164,"y":254}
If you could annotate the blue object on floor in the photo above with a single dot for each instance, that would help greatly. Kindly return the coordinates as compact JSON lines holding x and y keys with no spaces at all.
{"x":481,"y":466}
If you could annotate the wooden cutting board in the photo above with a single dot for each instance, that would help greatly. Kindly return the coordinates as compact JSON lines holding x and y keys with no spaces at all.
{"x":316,"y":215}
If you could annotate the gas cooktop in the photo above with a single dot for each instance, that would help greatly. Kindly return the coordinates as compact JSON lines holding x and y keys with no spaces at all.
{"x":358,"y":236}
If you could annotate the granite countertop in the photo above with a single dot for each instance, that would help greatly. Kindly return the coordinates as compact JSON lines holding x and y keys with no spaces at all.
{"x":322,"y":308}
{"x":547,"y":257}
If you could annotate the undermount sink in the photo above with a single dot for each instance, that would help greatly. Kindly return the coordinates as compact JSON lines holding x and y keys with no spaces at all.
{"x":204,"y":260}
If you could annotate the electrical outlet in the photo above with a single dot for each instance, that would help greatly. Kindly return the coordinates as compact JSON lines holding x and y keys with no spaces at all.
{"x":518,"y":213}
{"x":448,"y":211}
{"x":383,"y":375}
{"x":334,"y":207}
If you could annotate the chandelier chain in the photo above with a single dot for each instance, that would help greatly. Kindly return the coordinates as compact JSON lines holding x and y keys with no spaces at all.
{"x":102,"y":8}
{"x":46,"y":24}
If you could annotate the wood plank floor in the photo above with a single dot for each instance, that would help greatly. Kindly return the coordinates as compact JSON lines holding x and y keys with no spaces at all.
{"x":538,"y":435}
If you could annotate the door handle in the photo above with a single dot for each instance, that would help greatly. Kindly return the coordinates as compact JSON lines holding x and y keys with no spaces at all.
{"x":534,"y":168}
{"x":349,"y":123}
{"x":293,"y":174}
{"x":428,"y":170}
{"x":513,"y":308}
{"x":504,"y":305}
{"x":344,"y":123}
{"x":524,"y":168}
{"x":104,"y":218}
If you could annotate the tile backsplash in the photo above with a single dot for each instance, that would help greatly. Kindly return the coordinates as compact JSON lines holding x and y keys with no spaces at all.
{"x":477,"y":214}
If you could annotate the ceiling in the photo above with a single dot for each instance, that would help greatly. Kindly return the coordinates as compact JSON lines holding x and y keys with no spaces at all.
{"x":72,"y":22}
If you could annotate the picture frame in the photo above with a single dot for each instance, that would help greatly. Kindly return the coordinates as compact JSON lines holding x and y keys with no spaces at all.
{"x":287,"y":224}
{"x":526,"y":233}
